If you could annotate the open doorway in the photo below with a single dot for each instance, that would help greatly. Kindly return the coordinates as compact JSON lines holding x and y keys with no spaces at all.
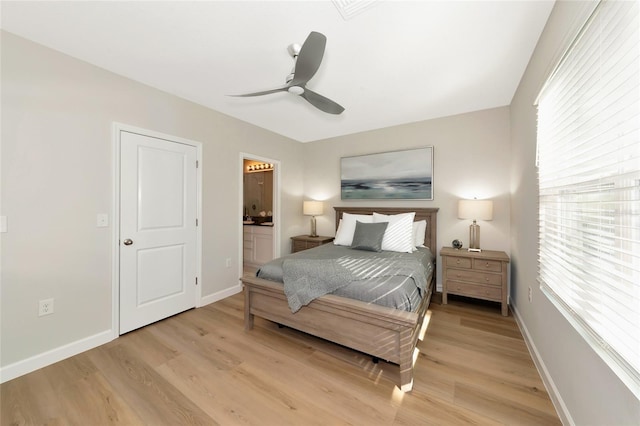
{"x":260,"y":212}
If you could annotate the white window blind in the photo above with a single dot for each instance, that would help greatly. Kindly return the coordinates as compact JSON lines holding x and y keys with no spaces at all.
{"x":589,"y":186}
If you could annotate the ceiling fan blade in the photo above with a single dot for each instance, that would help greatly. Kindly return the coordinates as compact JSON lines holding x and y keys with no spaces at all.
{"x":322,"y":103}
{"x":265,"y":92}
{"x":309,"y":58}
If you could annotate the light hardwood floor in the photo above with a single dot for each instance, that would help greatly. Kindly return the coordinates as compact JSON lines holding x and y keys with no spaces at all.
{"x":201,"y":367}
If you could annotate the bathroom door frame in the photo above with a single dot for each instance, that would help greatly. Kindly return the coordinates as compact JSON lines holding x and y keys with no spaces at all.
{"x":276,"y":205}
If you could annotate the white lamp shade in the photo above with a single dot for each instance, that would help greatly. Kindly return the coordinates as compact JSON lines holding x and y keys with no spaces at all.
{"x":475,"y":209}
{"x":312,"y":208}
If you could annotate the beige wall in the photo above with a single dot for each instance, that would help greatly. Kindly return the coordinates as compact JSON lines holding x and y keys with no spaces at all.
{"x":57,"y":168}
{"x":586,"y":390}
{"x":471,"y":159}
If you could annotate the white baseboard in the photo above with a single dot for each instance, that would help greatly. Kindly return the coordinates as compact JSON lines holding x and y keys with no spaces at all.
{"x":52,"y":356}
{"x":205,"y":300}
{"x":554,"y":394}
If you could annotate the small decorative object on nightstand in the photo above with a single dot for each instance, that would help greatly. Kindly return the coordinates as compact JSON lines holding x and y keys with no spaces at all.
{"x":303,"y":242}
{"x":482,"y":275}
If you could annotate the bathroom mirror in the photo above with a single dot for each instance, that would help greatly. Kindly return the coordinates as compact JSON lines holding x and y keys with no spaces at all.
{"x":258,"y":192}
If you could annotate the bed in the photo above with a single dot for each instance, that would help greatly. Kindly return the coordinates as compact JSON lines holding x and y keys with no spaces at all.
{"x":383,"y":332}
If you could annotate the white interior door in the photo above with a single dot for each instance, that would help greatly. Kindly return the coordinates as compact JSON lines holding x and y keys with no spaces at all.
{"x":158,"y":233}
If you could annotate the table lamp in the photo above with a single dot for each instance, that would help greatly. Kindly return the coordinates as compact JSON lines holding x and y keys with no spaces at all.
{"x":313,"y":209}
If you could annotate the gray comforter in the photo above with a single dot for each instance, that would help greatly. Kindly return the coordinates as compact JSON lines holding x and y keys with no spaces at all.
{"x":391,"y":279}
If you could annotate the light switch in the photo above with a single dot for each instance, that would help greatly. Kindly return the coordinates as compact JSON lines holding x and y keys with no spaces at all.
{"x":102,"y":220}
{"x":3,"y":224}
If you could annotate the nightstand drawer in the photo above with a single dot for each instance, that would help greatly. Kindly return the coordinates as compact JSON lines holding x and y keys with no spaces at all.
{"x":304,"y":242}
{"x":487,"y":265}
{"x":300,"y":245}
{"x":474,"y":290}
{"x":474,"y":276}
{"x":458,"y":262}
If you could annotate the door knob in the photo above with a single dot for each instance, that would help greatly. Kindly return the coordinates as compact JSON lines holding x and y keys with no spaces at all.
{"x":128,"y":242}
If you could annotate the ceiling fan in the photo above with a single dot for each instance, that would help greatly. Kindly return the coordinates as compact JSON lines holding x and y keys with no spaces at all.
{"x":307,"y":59}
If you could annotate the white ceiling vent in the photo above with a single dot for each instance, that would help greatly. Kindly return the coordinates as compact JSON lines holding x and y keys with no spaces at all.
{"x":350,"y":8}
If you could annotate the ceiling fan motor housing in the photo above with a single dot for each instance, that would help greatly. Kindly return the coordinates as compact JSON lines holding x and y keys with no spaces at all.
{"x":294,"y":49}
{"x":296,"y":90}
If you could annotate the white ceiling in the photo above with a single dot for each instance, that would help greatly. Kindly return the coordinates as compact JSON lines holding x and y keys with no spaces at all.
{"x":394,"y":62}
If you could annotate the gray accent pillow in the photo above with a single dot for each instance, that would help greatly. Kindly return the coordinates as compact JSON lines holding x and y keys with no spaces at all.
{"x":368,"y":236}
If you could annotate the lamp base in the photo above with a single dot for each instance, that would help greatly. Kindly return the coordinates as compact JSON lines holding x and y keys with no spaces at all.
{"x":474,"y":237}
{"x":313,"y":227}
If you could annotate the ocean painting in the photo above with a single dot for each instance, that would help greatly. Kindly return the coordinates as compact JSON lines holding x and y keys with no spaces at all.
{"x":396,"y":175}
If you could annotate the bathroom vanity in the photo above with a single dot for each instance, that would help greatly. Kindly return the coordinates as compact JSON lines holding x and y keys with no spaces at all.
{"x":257,"y":244}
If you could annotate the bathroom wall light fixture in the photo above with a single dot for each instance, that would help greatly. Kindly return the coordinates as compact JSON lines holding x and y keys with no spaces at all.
{"x":259,"y":167}
{"x":313,"y":209}
{"x":475,"y":210}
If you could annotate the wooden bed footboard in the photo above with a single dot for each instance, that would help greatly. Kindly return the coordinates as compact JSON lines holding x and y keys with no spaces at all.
{"x":385,"y":333}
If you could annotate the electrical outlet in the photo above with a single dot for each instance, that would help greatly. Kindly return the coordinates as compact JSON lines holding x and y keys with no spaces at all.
{"x":45,"y":307}
{"x":530,"y":294}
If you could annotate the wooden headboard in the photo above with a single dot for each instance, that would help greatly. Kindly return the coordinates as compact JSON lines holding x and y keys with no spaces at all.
{"x":429,"y":214}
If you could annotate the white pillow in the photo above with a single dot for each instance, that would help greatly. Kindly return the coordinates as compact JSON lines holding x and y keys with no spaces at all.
{"x":419,"y":228}
{"x":347,"y":226}
{"x":399,"y":234}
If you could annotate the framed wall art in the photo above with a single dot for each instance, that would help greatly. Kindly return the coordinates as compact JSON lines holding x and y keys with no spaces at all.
{"x":395,"y":175}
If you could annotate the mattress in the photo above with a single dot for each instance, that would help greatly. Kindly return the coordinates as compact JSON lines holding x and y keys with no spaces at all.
{"x":398,"y":292}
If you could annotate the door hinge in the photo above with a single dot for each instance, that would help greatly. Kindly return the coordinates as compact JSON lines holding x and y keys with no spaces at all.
{"x":196,"y":280}
{"x":197,"y":164}
{"x":196,"y":221}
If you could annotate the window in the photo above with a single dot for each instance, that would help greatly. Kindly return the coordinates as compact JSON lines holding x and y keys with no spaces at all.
{"x":589,"y":186}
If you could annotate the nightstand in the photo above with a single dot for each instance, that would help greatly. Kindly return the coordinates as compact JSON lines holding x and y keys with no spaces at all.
{"x":303,"y":242}
{"x":482,"y":275}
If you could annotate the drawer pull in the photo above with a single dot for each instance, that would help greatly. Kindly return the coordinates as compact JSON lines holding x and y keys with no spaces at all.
{"x":458,"y":261}
{"x":486,"y":279}
{"x":486,"y":265}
